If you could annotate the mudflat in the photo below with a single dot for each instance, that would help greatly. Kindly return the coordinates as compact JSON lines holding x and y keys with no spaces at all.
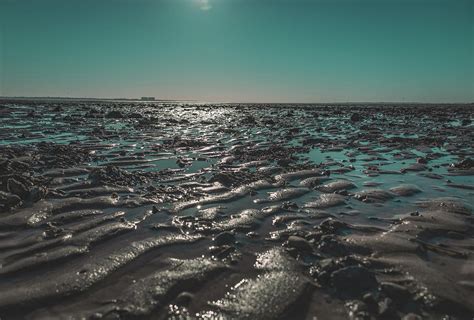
{"x":227,"y":211}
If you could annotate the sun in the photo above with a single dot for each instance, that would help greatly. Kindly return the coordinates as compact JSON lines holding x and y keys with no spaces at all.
{"x":204,"y":5}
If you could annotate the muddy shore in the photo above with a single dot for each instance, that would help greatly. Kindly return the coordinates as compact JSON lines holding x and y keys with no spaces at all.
{"x":115,"y":210}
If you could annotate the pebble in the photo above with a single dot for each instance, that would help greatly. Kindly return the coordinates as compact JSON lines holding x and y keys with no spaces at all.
{"x":353,"y":279}
{"x":224,"y":238}
{"x":299,"y":243}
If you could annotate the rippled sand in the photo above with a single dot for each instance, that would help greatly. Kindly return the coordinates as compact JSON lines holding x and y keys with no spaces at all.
{"x":148,"y":210}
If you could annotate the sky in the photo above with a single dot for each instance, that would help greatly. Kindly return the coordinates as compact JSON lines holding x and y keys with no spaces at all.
{"x":239,"y":50}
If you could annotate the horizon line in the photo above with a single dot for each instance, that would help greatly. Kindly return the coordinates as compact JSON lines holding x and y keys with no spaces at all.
{"x":221,"y":102}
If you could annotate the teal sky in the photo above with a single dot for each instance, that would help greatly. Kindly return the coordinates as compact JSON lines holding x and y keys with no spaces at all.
{"x":239,"y":50}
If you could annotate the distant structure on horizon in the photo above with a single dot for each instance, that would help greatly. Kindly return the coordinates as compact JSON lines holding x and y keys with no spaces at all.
{"x":148,"y":99}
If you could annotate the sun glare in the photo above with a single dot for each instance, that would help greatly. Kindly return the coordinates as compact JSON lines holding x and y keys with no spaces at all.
{"x":204,"y":5}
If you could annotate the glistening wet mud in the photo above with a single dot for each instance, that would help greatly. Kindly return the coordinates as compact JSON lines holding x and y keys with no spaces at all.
{"x":150,"y":210}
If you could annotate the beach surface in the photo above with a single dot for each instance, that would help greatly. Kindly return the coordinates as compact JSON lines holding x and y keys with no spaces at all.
{"x":121,"y":210}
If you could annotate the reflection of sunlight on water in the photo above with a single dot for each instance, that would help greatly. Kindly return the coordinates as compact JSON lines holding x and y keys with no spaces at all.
{"x":211,"y":114}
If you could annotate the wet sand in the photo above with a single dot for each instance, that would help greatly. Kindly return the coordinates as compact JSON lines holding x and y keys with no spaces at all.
{"x":149,"y":210}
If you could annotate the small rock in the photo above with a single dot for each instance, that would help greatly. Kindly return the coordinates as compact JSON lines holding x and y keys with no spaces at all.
{"x":221,"y":251}
{"x":8,"y":201}
{"x":411,"y":316}
{"x":181,"y":163}
{"x":353,"y":279}
{"x":114,"y":115}
{"x":355,"y":117}
{"x":38,"y":193}
{"x":58,"y":109}
{"x":358,"y":310}
{"x":299,"y":243}
{"x":224,"y":238}
{"x":386,"y":308}
{"x":397,"y":292}
{"x":329,"y":244}
{"x":16,"y":187}
{"x":223,"y":178}
{"x":184,"y":298}
{"x":465,"y":164}
{"x":331,"y":225}
{"x":422,"y":160}
{"x":52,"y":231}
{"x":135,"y":115}
{"x":370,"y":301}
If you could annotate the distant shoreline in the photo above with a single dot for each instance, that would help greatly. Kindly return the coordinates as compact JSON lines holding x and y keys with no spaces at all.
{"x":82,"y":99}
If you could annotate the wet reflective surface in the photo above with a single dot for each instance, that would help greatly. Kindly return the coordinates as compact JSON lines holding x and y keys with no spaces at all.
{"x":122,"y":210}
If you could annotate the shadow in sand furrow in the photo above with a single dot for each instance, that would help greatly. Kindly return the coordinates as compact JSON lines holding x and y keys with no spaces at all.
{"x":68,"y":245}
{"x":44,"y":210}
{"x":74,"y":277}
{"x":151,"y":292}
